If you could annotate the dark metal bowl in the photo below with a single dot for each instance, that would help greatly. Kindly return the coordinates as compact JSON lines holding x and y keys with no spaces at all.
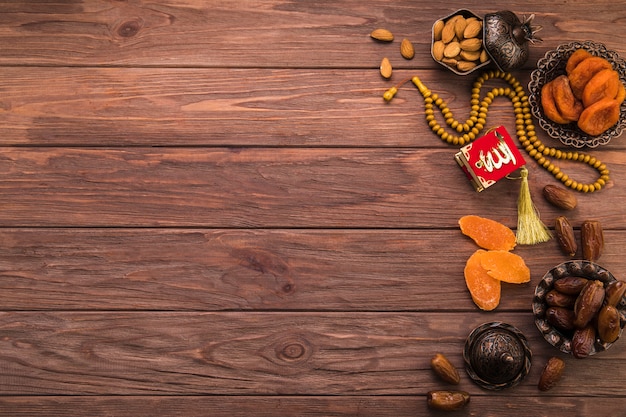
{"x":557,"y":338}
{"x":551,"y":66}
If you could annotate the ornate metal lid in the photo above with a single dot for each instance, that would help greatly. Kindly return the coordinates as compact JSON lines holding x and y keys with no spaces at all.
{"x":497,"y":356}
{"x":507,"y":39}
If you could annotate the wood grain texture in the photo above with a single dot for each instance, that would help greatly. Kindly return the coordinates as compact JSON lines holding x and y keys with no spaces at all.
{"x":270,"y":406}
{"x":266,"y":34}
{"x":208,"y":209}
{"x":277,"y":270}
{"x":238,"y":353}
{"x":267,"y":187}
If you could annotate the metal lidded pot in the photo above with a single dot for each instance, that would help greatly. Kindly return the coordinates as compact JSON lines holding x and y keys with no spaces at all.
{"x":497,"y":356}
{"x":505,"y":38}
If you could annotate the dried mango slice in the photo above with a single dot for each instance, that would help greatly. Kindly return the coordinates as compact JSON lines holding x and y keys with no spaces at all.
{"x":600,"y":116}
{"x":580,"y":76}
{"x":487,"y":233}
{"x":605,"y":84}
{"x":505,"y":266}
{"x":484,"y":289}
{"x":576,"y":58}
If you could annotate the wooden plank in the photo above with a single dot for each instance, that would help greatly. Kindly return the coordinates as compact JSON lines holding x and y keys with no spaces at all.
{"x":225,"y":34}
{"x":209,"y":107}
{"x":243,"y":353}
{"x":286,"y":270}
{"x":268,"y":187}
{"x":274,"y":406}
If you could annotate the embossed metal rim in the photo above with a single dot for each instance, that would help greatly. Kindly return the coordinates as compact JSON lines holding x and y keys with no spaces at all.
{"x":553,"y":65}
{"x":587,"y":269}
{"x":469,"y":346}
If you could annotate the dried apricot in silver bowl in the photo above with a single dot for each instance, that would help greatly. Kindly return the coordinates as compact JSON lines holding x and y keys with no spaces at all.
{"x":559,"y":337}
{"x":553,"y":65}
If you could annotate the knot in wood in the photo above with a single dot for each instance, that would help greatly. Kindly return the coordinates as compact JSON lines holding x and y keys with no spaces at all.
{"x":130,"y":28}
{"x":294,"y":349}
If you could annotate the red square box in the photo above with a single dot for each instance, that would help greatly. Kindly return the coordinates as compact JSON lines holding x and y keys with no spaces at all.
{"x":489,"y":158}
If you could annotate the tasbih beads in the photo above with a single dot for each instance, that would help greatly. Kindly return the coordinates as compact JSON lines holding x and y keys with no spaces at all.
{"x":525,"y":128}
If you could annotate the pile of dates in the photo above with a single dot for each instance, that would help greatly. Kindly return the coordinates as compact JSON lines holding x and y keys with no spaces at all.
{"x":586,"y":309}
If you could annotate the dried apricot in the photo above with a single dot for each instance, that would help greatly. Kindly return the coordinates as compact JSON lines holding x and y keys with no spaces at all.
{"x":605,"y":84}
{"x":505,"y":266}
{"x":621,"y":93}
{"x":569,"y":107}
{"x":484,"y":289}
{"x":576,"y":58}
{"x":580,"y":76}
{"x":549,"y":105}
{"x":487,"y":233}
{"x":600,"y":116}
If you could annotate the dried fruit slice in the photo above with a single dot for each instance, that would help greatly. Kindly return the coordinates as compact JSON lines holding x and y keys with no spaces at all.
{"x":484,"y":289}
{"x":580,"y":76}
{"x":576,"y":58}
{"x":568,"y":106}
{"x":505,"y":266}
{"x":487,"y":233}
{"x":605,"y":84}
{"x":600,"y":116}
{"x":549,"y":105}
{"x":621,"y":93}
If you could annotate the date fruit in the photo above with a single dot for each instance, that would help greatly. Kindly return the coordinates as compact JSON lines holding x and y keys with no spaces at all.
{"x":582,"y":341}
{"x":561,"y":318}
{"x":558,"y":299}
{"x":614,"y":293}
{"x":592,"y":238}
{"x":570,"y":285}
{"x":444,"y":369}
{"x":560,"y":197}
{"x":588,"y":303}
{"x":447,"y":400}
{"x":608,"y":324}
{"x":565,"y":235}
{"x":551,"y":374}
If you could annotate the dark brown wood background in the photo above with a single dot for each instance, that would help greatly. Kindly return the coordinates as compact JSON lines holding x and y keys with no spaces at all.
{"x":208,"y":209}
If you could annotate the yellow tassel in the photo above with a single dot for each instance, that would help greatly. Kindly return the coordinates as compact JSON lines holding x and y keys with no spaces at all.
{"x":530,"y":228}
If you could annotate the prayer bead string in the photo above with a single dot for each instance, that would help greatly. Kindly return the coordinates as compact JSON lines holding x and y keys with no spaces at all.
{"x":525,"y":128}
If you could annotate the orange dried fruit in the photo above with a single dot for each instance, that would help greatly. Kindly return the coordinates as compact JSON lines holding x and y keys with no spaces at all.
{"x":576,"y":58}
{"x":549,"y":105}
{"x":569,"y":107}
{"x":605,"y":84}
{"x":484,"y":289}
{"x":505,"y":266}
{"x":580,"y":76}
{"x":621,"y":93}
{"x":600,"y":116}
{"x":487,"y":233}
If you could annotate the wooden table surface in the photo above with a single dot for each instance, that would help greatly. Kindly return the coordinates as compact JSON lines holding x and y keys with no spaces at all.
{"x":209,"y":210}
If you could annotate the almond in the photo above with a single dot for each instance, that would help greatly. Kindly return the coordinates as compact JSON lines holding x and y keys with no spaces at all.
{"x":473,"y":29}
{"x":382,"y":35}
{"x":459,"y":27}
{"x":406,"y":49}
{"x":465,"y":66}
{"x":448,"y":32}
{"x":438,"y":48}
{"x":452,"y":50}
{"x":437,"y":29}
{"x":385,"y":68}
{"x":472,"y":44}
